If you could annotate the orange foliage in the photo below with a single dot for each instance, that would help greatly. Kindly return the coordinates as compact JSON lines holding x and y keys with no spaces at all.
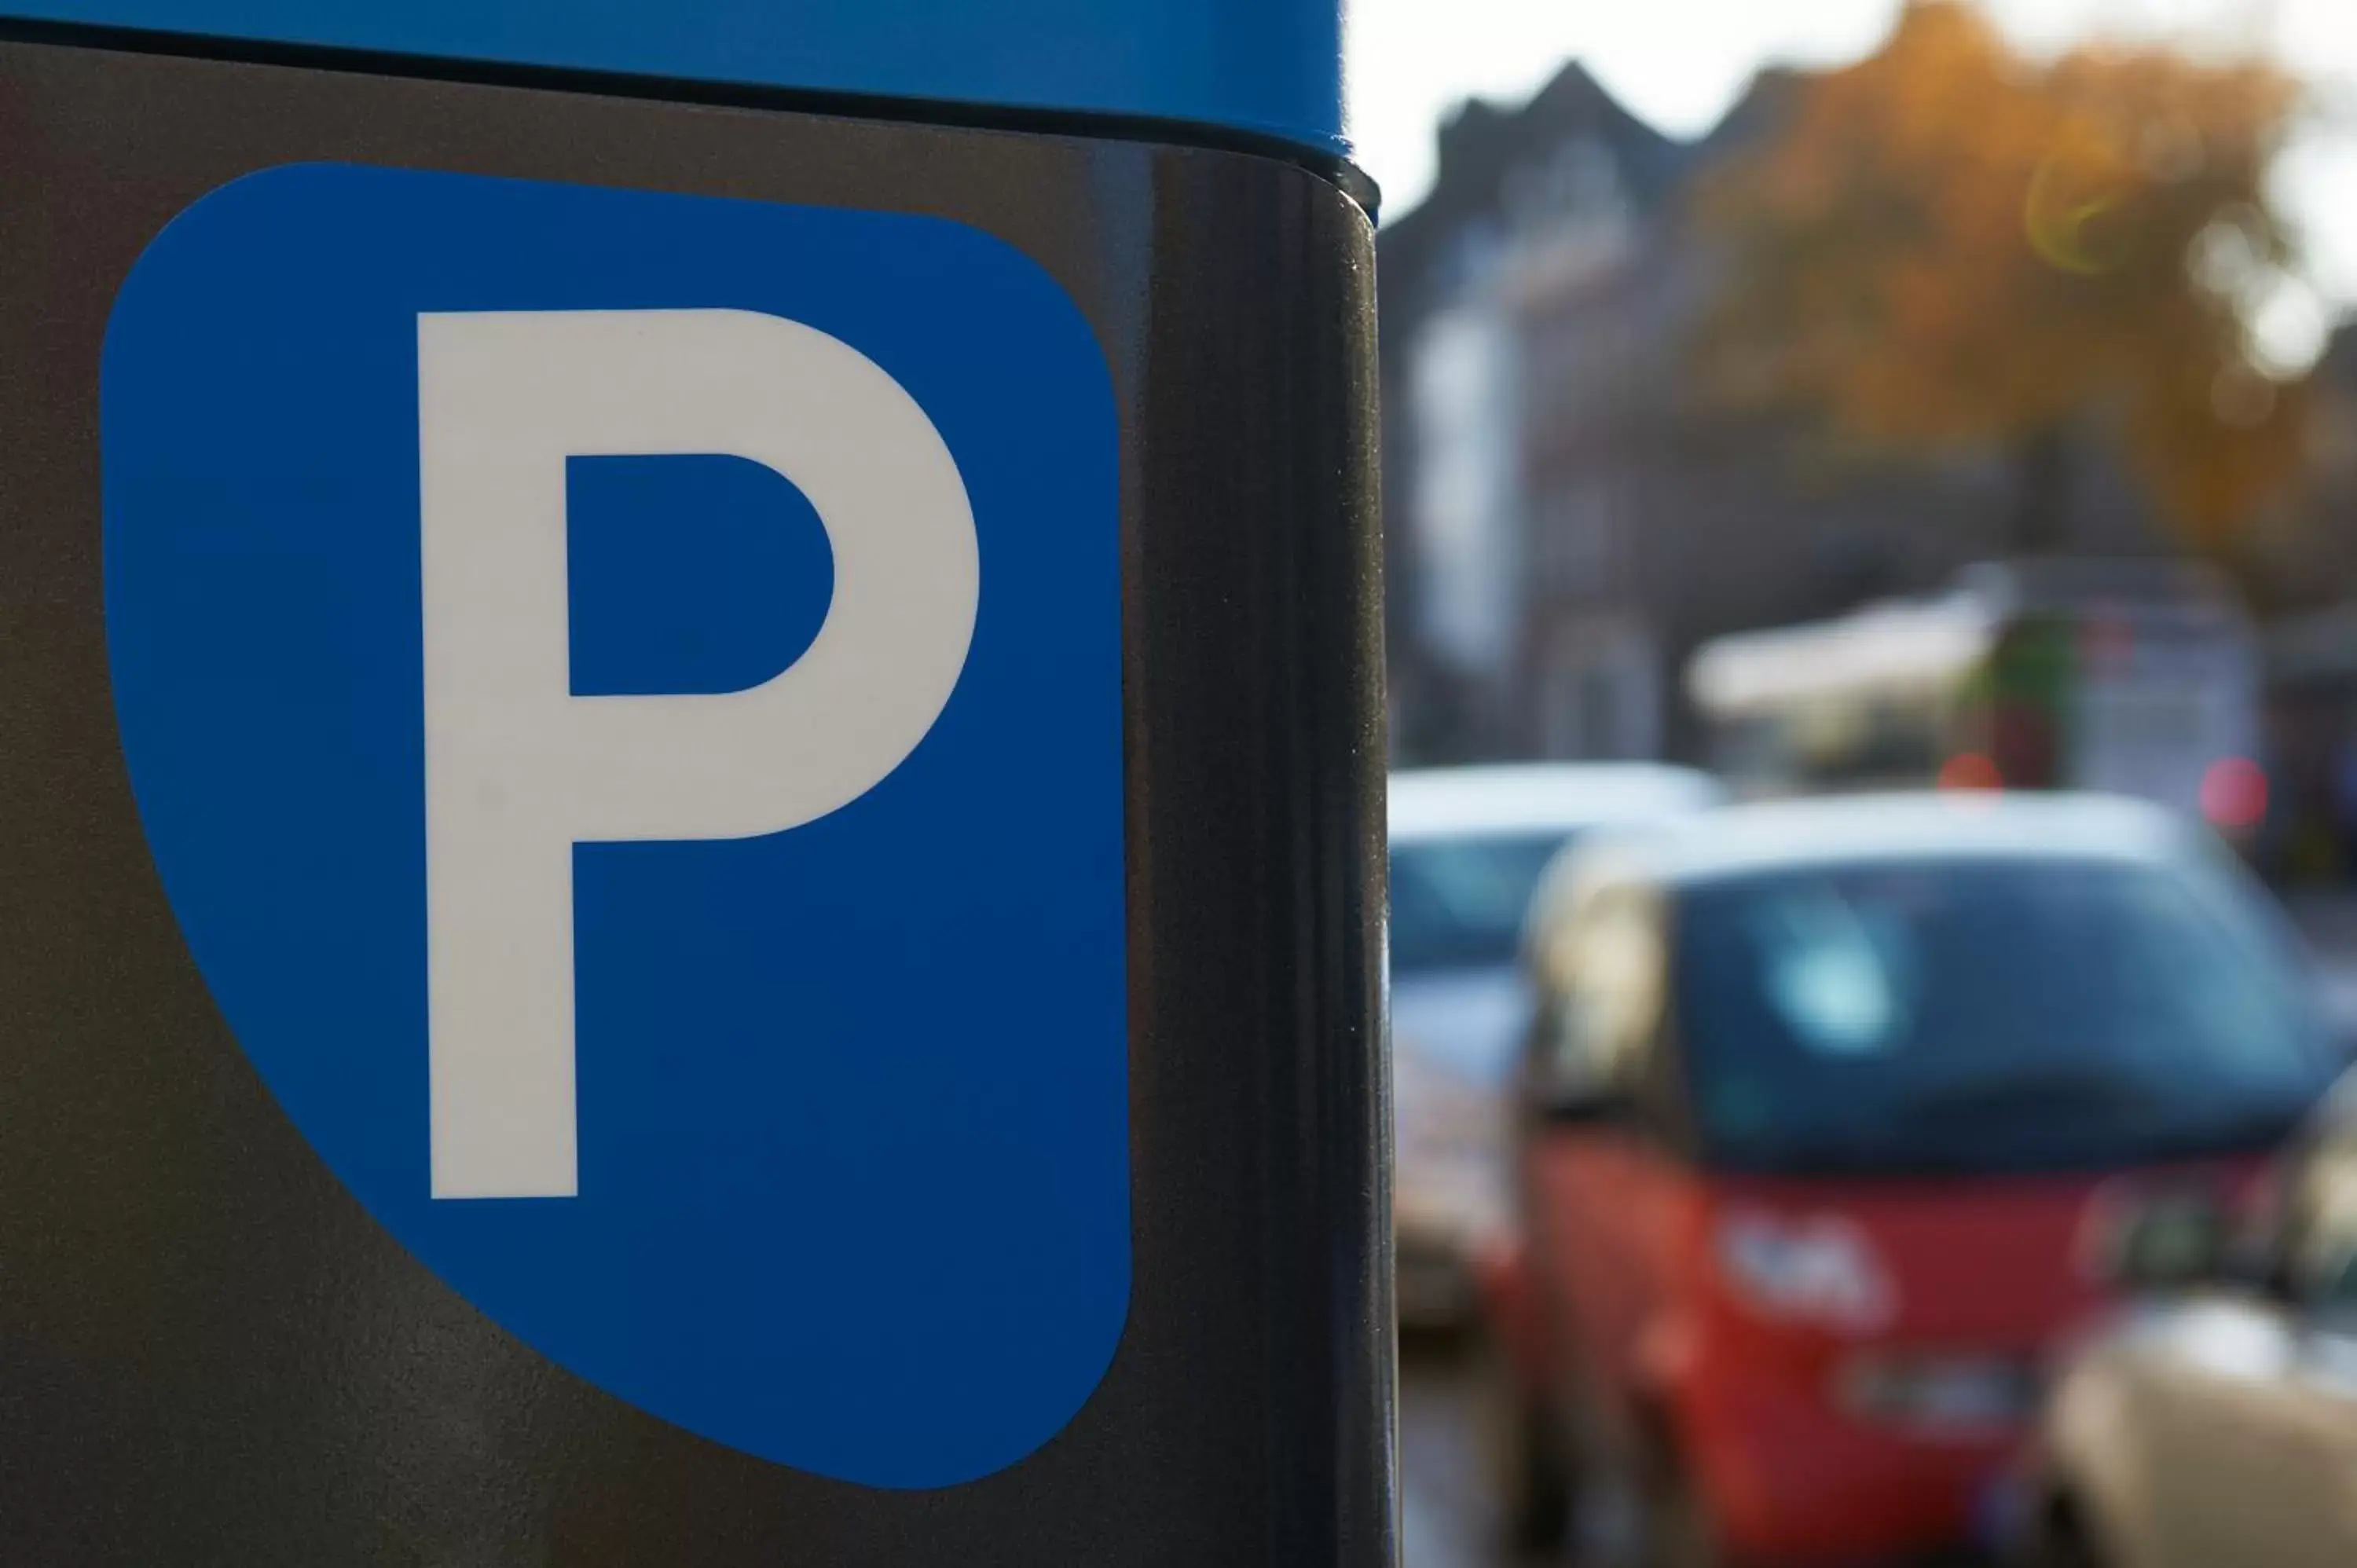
{"x":1948,"y":244}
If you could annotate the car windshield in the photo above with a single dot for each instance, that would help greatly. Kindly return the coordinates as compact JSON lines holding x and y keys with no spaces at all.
{"x":2009,"y":1014}
{"x":1458,"y":903}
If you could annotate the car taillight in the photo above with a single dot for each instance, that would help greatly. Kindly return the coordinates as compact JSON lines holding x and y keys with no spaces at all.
{"x":1820,"y":1269}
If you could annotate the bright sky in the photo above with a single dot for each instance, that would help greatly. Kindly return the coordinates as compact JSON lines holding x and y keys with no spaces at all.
{"x":1680,"y":63}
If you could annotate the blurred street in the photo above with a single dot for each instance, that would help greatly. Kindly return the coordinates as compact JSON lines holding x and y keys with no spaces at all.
{"x":1449,"y":1501}
{"x":1855,"y":559}
{"x":1447,"y":1507}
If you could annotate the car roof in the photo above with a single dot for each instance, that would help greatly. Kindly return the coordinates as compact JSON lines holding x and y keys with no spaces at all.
{"x":1838,"y":830}
{"x":1449,"y":802}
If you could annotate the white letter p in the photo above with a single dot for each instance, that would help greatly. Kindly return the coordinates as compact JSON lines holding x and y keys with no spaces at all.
{"x":518,"y":770}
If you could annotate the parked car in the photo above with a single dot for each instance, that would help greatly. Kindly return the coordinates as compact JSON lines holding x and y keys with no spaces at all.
{"x":1823,"y":1106}
{"x":2216,"y":1423}
{"x":1468,"y":845}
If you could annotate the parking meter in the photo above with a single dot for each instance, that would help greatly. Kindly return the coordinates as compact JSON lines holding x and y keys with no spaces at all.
{"x":690,"y":740}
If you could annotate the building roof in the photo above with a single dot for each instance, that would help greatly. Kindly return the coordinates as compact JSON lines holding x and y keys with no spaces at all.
{"x":1485,"y":147}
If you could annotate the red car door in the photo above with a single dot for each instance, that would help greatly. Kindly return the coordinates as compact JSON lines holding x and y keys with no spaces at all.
{"x":1604,"y":1194}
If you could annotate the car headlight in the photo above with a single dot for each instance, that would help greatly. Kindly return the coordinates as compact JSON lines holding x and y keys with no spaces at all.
{"x":1819,"y":1269}
{"x":1450,"y":1149}
{"x":1438,"y":1114}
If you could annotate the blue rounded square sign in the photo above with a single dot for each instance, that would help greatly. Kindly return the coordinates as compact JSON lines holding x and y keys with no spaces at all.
{"x":623,"y":691}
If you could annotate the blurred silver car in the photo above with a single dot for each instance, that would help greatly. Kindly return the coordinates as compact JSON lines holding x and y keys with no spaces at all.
{"x":1468,"y":847}
{"x":2216,"y":1423}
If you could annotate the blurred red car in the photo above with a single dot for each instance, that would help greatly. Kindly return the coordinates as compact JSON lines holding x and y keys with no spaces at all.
{"x":1827,"y":1113}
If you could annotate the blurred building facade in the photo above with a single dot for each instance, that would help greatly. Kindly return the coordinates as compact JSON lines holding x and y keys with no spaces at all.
{"x":2303,"y":572}
{"x":1569,"y":516}
{"x":2304,"y":554}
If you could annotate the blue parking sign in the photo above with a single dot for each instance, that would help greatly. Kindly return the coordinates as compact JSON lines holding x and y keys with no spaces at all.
{"x":624,"y":692}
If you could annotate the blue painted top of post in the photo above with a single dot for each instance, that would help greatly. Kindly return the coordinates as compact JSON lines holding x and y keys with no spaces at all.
{"x":1271,"y":67}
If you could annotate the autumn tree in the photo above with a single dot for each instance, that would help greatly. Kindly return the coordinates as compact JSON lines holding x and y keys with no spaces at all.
{"x":1952,"y":246}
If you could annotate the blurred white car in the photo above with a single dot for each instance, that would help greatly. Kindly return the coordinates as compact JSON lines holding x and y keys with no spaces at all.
{"x":2215,"y":1421}
{"x":1468,"y":847}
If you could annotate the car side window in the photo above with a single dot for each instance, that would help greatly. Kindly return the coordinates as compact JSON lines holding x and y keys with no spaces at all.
{"x":2321,"y":1239}
{"x":1607,"y":966}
